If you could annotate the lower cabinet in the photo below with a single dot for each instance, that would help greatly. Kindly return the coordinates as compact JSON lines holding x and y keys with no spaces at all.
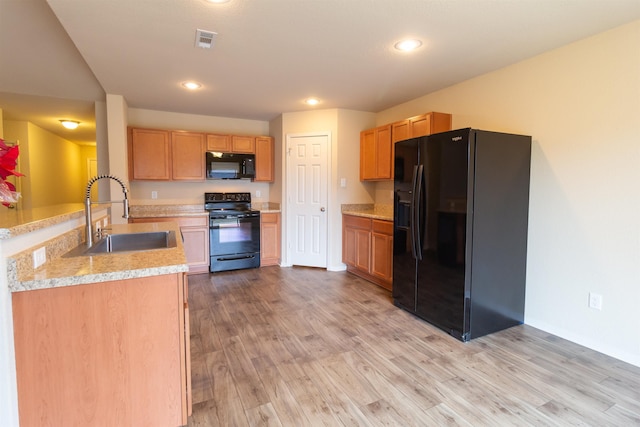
{"x":112,"y":353}
{"x":367,"y":248}
{"x":269,"y":239}
{"x":195,"y":235}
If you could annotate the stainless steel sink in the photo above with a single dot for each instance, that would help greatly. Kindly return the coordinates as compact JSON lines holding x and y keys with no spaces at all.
{"x":129,"y":242}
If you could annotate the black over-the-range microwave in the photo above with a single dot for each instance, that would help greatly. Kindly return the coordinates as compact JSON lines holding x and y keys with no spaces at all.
{"x":230,"y":165}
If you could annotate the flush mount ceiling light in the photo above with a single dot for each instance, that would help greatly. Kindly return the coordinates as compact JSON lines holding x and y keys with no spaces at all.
{"x":191,"y":85}
{"x":218,"y":1}
{"x":408,"y":45}
{"x":69,"y":124}
{"x":312,"y":101}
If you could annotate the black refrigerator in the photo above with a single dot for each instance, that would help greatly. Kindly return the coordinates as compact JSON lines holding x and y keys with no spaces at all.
{"x":461,"y":202}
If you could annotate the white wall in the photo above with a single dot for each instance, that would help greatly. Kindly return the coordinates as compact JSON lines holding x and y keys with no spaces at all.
{"x":581,"y":104}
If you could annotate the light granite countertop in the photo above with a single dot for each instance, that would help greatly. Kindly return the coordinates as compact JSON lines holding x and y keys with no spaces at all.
{"x":81,"y":270}
{"x":374,"y":211}
{"x":14,"y":222}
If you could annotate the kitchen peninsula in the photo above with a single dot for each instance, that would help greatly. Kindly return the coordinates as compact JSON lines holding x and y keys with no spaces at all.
{"x":101,"y":338}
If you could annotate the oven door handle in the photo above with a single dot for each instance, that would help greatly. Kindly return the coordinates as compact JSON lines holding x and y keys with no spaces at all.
{"x":227,"y":224}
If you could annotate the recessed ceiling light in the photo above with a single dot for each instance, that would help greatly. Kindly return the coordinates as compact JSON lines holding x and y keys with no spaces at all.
{"x":408,"y":45}
{"x":218,"y":1}
{"x":70,"y":124}
{"x":192,"y":85}
{"x":312,"y":101}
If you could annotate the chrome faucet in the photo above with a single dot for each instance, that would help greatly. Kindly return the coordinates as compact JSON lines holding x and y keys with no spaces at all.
{"x":88,"y":203}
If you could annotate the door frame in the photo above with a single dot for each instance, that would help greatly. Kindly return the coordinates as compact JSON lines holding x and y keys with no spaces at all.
{"x":288,"y":226}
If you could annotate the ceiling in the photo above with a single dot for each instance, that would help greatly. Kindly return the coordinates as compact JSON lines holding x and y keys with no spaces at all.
{"x":60,"y":56}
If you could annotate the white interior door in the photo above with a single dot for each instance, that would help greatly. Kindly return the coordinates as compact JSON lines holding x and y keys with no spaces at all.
{"x":307,"y":183}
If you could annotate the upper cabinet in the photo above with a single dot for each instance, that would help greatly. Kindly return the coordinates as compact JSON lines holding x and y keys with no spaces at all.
{"x":163,"y":155}
{"x":422,"y":125}
{"x":149,"y":154}
{"x":243,"y":144}
{"x":376,"y":145}
{"x":187,"y":160}
{"x":264,"y":159}
{"x":375,"y":153}
{"x":219,"y":143}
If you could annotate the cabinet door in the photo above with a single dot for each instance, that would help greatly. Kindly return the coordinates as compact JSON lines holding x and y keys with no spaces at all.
{"x":264,"y":159}
{"x":77,"y":346}
{"x":149,"y":154}
{"x":196,"y":244}
{"x":187,"y":156}
{"x":243,"y":144}
{"x":400,"y":131}
{"x":382,"y":251}
{"x":368,"y":154}
{"x":376,"y":154}
{"x":420,"y":125}
{"x":356,"y":242}
{"x":219,"y":143}
{"x":270,"y":239}
{"x":384,"y":152}
{"x":363,"y":250}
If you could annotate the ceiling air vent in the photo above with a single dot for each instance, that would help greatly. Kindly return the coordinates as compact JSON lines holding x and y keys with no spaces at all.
{"x":205,"y":38}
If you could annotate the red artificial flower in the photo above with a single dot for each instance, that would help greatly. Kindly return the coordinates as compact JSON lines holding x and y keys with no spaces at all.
{"x":8,"y":160}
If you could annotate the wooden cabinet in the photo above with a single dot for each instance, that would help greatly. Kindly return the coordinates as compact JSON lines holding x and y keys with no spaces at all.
{"x":219,"y":143}
{"x":195,"y":235}
{"x":149,"y":154}
{"x":162,"y":155}
{"x":367,"y":248}
{"x":231,"y":143}
{"x":264,"y":159}
{"x":382,"y":250}
{"x":376,"y":145}
{"x":187,"y":156}
{"x":270,"y":239}
{"x":110,"y":353}
{"x":243,"y":144}
{"x":422,"y":125}
{"x":376,"y":154}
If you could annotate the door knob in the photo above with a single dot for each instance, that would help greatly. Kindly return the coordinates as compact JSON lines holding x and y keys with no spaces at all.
{"x":322,"y":209}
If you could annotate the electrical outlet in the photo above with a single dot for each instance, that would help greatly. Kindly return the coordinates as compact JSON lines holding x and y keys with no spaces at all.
{"x":258,"y":193}
{"x":595,"y":301}
{"x":39,"y":257}
{"x":154,"y":194}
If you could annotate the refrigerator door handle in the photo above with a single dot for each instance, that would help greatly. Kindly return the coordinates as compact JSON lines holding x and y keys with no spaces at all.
{"x":412,"y":212}
{"x":417,"y":196}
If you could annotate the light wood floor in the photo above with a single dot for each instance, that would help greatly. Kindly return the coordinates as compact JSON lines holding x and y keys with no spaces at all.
{"x":306,"y":347}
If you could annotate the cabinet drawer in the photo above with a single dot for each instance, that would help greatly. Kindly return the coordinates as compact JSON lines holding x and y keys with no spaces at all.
{"x":269,"y":218}
{"x":383,"y":227}
{"x":356,"y":222}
